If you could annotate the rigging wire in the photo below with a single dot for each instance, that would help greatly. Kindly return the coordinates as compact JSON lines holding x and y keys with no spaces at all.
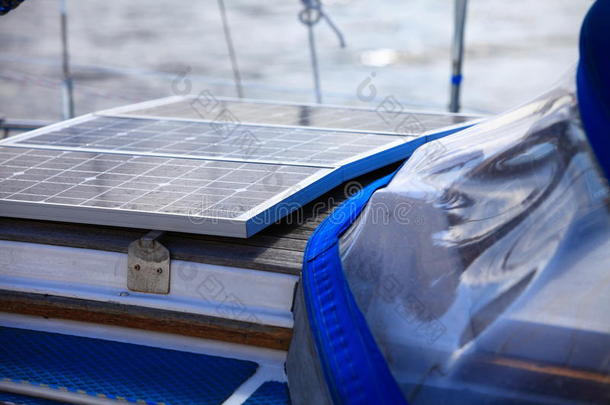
{"x":227,"y":32}
{"x":457,"y":54}
{"x":310,"y":16}
{"x":314,"y":63}
{"x":67,"y":83}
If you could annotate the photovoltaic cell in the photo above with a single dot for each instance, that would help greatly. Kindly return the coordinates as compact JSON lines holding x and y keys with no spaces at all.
{"x":220,"y":177}
{"x":387,"y":116}
{"x":214,"y":140}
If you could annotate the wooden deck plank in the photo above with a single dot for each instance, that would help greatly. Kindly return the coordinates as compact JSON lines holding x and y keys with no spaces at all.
{"x":157,"y":320}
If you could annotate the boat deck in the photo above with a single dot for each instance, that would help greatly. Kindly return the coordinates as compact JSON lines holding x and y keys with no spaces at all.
{"x":277,"y":249}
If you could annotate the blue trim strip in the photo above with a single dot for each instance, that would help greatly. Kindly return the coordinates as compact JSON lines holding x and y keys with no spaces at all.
{"x":354,"y":368}
{"x":593,"y":81}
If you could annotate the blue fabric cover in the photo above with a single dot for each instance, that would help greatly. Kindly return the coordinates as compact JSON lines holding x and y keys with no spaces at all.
{"x":8,"y":5}
{"x":354,"y":367}
{"x":593,"y":80}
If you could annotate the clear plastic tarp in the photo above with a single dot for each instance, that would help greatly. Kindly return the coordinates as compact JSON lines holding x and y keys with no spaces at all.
{"x":483,"y":268}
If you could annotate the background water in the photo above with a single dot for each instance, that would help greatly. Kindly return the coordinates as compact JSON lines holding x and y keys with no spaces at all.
{"x":127,"y":51}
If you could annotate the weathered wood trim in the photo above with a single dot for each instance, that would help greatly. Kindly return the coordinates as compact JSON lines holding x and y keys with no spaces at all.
{"x":157,"y":320}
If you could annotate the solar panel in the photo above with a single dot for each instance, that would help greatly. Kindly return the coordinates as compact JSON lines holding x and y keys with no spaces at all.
{"x":253,"y":143}
{"x":389,"y":116}
{"x":180,"y":175}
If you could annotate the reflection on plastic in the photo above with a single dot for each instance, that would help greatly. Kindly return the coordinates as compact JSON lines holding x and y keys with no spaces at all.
{"x":495,"y":286}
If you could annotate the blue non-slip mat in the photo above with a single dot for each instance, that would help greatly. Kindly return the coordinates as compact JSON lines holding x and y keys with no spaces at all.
{"x":270,"y":393}
{"x":118,"y":370}
{"x":7,"y":397}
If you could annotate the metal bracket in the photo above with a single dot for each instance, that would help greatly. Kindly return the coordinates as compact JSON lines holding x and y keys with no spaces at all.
{"x":148,"y":265}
